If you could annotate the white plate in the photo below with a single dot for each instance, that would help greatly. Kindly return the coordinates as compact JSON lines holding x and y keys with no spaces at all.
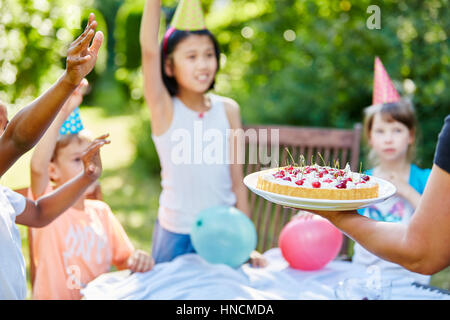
{"x":386,"y":190}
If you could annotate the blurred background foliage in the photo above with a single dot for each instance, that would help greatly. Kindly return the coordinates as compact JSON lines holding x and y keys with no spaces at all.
{"x":34,"y":38}
{"x":290,"y":62}
{"x":286,"y":62}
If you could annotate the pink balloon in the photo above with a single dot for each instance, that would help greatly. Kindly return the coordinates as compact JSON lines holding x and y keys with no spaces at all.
{"x":310,"y":243}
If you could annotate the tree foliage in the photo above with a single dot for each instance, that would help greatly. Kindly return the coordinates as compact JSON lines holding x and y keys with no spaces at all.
{"x":310,"y":62}
{"x":291,"y":62}
{"x":34,"y":37}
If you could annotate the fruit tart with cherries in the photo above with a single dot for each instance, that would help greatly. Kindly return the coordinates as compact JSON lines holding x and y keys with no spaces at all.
{"x":318,"y":182}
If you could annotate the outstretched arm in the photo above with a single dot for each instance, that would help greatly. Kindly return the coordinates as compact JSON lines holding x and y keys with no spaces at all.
{"x":43,"y":152}
{"x":43,"y":211}
{"x":237,"y":170}
{"x":423,"y":245}
{"x":29,"y":124}
{"x":156,"y":94}
{"x":236,"y":166}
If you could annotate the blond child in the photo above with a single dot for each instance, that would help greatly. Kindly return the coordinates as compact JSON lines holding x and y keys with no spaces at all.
{"x":87,"y":240}
{"x":20,"y":135}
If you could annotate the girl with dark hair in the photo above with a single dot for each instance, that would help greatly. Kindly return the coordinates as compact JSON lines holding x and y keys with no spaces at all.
{"x":177,"y":77}
{"x":173,"y":38}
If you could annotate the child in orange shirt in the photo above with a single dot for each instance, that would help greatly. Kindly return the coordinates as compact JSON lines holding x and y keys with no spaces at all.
{"x":87,"y":239}
{"x":20,"y":135}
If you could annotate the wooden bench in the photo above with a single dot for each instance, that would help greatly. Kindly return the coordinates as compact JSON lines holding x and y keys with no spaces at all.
{"x":333,"y":144}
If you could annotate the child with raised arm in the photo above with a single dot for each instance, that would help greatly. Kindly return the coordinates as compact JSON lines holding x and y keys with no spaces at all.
{"x":87,"y":240}
{"x":177,"y":77}
{"x":20,"y":135}
{"x":390,"y":128}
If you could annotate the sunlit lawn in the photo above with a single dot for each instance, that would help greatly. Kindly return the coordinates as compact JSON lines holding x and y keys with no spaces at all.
{"x":130,"y":192}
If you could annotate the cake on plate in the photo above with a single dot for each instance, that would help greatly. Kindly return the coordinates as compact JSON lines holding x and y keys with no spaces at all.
{"x":318,"y":182}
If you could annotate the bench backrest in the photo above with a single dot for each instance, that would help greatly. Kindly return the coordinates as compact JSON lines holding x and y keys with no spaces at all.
{"x":333,"y":144}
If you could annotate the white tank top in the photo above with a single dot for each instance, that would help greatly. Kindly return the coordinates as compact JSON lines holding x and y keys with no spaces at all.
{"x":195,"y":170}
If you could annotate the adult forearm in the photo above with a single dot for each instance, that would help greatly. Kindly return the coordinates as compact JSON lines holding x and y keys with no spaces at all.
{"x":387,"y":240}
{"x":422,"y":246}
{"x":31,"y":122}
{"x":52,"y":205}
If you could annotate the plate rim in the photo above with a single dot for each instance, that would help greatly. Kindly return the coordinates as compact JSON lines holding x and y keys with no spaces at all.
{"x":325,"y":203}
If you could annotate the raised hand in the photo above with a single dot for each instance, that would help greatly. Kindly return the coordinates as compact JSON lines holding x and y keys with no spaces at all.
{"x":91,"y":158}
{"x":81,"y":57}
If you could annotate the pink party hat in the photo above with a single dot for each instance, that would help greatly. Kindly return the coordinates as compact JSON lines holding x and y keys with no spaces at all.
{"x":383,"y":88}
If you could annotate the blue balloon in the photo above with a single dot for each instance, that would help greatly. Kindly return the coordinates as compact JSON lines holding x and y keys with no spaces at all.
{"x":224,"y":235}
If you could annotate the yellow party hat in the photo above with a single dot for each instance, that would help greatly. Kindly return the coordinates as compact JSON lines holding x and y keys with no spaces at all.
{"x":189,"y":16}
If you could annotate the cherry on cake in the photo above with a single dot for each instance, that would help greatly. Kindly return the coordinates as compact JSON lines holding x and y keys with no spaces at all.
{"x":318,"y":182}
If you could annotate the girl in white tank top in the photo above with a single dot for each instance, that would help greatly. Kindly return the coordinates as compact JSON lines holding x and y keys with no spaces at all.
{"x":195,"y":172}
{"x":190,"y":128}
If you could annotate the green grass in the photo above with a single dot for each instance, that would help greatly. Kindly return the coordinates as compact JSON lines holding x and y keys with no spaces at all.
{"x":134,"y":200}
{"x":131,"y":193}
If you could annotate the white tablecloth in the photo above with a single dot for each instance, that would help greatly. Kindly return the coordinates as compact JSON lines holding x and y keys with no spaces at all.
{"x":192,"y":278}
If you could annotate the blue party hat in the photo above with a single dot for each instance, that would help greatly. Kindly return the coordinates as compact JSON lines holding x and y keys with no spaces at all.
{"x":72,"y":124}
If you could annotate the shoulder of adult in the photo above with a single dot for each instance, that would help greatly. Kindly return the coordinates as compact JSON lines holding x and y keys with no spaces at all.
{"x":5,"y":190}
{"x":442,"y":153}
{"x":17,"y":201}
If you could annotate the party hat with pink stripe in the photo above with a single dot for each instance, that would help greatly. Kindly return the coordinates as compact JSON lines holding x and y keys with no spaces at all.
{"x":383,"y":88}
